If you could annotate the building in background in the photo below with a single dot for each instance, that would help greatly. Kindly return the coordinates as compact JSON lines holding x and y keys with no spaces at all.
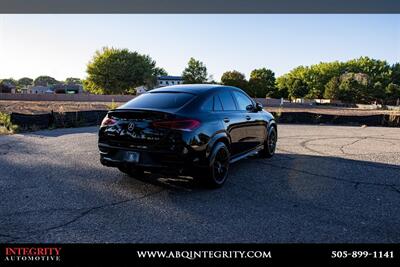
{"x":67,"y":88}
{"x":168,"y":80}
{"x":7,"y":88}
{"x":53,"y":89}
{"x":39,"y":89}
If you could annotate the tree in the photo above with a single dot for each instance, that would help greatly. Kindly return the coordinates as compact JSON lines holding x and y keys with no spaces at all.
{"x":293,"y":84}
{"x":317,"y":76}
{"x":72,"y":80}
{"x":332,"y":89}
{"x":281,"y":92}
{"x":23,"y":82}
{"x":352,"y":87}
{"x":119,"y":71}
{"x":234,"y":78}
{"x":364,"y":78}
{"x":282,"y":84}
{"x":361,"y":86}
{"x":9,"y":82}
{"x":160,"y":72}
{"x":395,"y":73}
{"x":151,"y":81}
{"x":298,"y":89}
{"x":45,"y":81}
{"x":377,"y":92}
{"x":392,"y":92}
{"x":377,"y":70}
{"x":195,"y":72}
{"x":262,"y":82}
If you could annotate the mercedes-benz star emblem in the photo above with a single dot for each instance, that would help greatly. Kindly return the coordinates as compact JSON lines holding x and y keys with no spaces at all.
{"x":131,"y":126}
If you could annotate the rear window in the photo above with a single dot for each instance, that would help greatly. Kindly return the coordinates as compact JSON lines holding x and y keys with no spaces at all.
{"x":159,"y":101}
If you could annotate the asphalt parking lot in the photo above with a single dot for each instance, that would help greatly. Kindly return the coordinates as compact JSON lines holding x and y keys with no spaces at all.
{"x":325,"y":184}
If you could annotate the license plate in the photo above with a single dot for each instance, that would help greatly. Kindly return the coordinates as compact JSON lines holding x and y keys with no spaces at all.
{"x":131,"y":156}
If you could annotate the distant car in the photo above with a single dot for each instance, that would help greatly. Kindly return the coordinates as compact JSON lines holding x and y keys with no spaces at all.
{"x":195,"y":130}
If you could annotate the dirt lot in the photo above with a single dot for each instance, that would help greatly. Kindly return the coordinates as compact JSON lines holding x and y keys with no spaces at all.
{"x":38,"y":107}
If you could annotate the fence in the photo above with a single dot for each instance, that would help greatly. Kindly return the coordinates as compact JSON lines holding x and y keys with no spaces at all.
{"x":390,"y":120}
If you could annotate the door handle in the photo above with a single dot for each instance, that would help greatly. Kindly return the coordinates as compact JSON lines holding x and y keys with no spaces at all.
{"x":226,"y":120}
{"x":248,"y":117}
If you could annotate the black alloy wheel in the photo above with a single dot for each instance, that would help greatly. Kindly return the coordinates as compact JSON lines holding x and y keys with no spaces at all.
{"x":270,"y":144}
{"x":217,"y":171}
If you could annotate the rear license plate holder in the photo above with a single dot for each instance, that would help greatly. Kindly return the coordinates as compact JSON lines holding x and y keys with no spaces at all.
{"x":132,"y":157}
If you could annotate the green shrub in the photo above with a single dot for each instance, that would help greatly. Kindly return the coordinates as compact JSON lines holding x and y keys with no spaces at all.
{"x":6,"y":126}
{"x":278,"y":114}
{"x":394,"y":119}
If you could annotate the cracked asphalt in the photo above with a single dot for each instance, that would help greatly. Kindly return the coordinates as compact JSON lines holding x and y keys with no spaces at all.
{"x":325,"y":184}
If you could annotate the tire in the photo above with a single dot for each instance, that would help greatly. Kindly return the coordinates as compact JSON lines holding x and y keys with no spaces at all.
{"x":131,"y":171}
{"x":216,"y":172}
{"x":270,"y":144}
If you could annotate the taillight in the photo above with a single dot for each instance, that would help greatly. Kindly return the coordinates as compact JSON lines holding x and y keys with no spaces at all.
{"x":178,"y":124}
{"x":108,"y":122}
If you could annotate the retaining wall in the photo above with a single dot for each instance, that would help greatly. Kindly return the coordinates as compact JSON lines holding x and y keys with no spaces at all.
{"x":315,"y":118}
{"x":27,"y":122}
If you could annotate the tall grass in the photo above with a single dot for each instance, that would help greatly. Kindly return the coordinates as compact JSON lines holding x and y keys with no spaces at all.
{"x":112,"y":106}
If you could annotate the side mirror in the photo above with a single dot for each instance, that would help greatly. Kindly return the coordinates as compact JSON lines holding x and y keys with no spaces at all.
{"x":250,"y":108}
{"x":259,"y":107}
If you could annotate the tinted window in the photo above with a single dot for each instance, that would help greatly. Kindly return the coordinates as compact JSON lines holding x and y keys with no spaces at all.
{"x":217,"y":104}
{"x":208,"y":104}
{"x":227,"y":100}
{"x":242,"y":100}
{"x":159,"y":100}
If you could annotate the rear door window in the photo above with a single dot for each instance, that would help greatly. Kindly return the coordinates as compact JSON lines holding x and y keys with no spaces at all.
{"x":168,"y":100}
{"x":227,"y":100}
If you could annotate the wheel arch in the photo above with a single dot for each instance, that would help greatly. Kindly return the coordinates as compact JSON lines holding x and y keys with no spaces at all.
{"x":219,"y":137}
{"x":273,"y":123}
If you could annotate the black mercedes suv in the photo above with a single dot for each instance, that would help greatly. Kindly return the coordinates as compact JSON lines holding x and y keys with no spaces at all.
{"x":195,"y":130}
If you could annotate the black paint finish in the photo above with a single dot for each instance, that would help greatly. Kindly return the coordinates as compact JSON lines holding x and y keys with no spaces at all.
{"x":180,"y":139}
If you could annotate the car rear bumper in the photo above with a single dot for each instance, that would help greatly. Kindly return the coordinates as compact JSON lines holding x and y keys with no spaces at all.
{"x":149,"y":160}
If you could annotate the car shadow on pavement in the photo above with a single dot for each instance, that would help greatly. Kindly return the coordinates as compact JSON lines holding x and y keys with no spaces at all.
{"x":288,"y":167}
{"x":178,"y":183}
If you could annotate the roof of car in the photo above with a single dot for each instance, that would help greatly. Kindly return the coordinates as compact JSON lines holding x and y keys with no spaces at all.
{"x":189,"y":88}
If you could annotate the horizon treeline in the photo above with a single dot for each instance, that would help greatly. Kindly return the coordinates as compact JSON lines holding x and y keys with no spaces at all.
{"x":360,"y":80}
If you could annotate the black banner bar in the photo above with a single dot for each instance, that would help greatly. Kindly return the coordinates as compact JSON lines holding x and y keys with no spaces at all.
{"x":200,"y":6}
{"x":199,"y":254}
